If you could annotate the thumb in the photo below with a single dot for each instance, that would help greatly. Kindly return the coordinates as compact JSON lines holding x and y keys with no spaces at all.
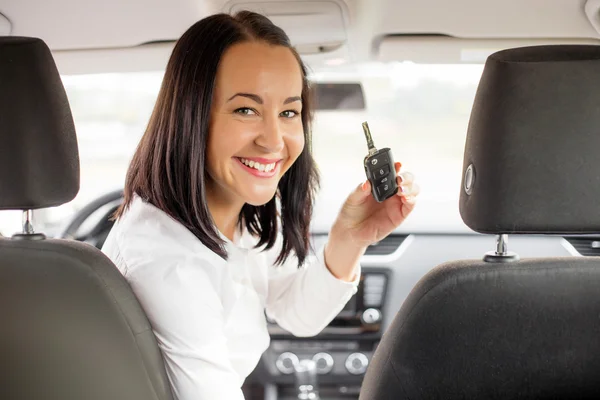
{"x":360,"y":194}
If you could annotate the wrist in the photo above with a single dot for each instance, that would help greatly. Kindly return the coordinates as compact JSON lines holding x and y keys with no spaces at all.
{"x":342,"y":256}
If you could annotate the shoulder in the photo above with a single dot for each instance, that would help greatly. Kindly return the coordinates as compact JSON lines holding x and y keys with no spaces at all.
{"x":148,"y":238}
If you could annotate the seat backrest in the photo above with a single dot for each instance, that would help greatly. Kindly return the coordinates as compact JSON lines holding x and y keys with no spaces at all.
{"x":70,"y":326}
{"x":505,"y":327}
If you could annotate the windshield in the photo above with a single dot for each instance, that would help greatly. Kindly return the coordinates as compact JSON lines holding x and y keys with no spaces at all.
{"x":420,"y":111}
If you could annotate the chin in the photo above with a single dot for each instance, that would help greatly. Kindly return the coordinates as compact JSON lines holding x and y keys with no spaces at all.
{"x":259,"y":199}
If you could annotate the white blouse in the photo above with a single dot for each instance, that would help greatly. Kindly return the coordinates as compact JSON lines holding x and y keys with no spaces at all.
{"x":208,"y":314}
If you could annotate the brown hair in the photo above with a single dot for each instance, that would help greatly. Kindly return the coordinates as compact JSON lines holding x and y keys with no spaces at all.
{"x":168,"y":168}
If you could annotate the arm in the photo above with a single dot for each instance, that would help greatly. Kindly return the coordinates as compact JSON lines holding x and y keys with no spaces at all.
{"x":186,"y":314}
{"x":342,"y":256}
{"x":304,"y":300}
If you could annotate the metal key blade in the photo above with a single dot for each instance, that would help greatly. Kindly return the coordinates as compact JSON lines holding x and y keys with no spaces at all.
{"x":369,"y":138}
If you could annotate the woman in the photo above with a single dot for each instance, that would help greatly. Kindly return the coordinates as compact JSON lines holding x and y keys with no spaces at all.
{"x":214,"y":230}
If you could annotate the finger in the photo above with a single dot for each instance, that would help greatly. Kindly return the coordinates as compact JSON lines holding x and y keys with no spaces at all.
{"x":400,"y":188}
{"x":366,"y":186}
{"x":397,"y":165}
{"x":410,"y":190}
{"x":406,"y":177}
{"x":359,"y":195}
{"x":409,"y":202}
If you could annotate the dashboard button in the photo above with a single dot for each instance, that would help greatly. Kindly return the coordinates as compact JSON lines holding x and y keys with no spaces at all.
{"x":373,"y":300}
{"x":324,"y":363}
{"x":357,"y":363}
{"x":286,"y":363}
{"x":371,"y":316}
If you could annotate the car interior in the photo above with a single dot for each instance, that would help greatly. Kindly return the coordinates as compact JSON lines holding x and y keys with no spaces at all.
{"x":491,"y":287}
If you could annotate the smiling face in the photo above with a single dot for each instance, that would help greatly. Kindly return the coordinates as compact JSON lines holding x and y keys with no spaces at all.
{"x":256,"y":130}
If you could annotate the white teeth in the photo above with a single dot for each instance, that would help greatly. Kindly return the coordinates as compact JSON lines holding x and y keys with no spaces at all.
{"x":258,"y":166}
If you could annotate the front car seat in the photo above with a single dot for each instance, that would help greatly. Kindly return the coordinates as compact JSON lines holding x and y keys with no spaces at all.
{"x":70,"y":327}
{"x":504,"y":328}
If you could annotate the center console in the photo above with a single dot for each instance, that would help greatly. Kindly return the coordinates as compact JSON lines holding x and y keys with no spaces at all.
{"x":340,"y":354}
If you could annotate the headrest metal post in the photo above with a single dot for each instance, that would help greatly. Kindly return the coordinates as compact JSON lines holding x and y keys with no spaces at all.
{"x":28,"y":231}
{"x":28,"y":222}
{"x":501,"y":245}
{"x":501,"y":254}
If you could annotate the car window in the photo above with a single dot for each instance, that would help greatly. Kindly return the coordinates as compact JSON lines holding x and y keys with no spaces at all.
{"x":420,"y":111}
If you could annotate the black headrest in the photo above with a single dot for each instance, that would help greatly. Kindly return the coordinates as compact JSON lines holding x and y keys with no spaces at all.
{"x":39,"y":161}
{"x":531,"y":158}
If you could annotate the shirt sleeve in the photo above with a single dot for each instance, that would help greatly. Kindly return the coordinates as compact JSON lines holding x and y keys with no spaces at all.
{"x":186,"y":313}
{"x":305,"y":300}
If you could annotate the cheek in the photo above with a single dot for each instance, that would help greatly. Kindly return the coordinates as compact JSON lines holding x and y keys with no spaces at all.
{"x":223,"y":141}
{"x":211,"y":148}
{"x":216,"y":149}
{"x":295,"y":145}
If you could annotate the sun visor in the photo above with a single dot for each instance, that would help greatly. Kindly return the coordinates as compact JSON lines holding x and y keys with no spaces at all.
{"x":313,"y":26}
{"x":439,"y":49}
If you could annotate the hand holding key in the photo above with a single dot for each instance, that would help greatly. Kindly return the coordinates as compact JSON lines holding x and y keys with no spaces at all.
{"x":366,"y":221}
{"x":371,"y":212}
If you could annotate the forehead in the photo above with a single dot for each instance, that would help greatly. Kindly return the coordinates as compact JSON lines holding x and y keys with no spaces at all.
{"x":259,"y":68}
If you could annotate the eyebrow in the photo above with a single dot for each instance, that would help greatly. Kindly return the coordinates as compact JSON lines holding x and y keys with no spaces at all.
{"x":259,"y":100}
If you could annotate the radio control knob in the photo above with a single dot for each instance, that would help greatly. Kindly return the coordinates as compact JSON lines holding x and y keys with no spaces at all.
{"x":324,"y":363}
{"x":286,"y":363}
{"x":357,"y":363}
{"x":371,"y":316}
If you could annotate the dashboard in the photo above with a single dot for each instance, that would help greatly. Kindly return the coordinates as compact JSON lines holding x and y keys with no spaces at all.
{"x":390,"y":269}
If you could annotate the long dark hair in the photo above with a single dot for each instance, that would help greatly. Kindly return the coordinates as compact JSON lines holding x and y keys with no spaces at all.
{"x":168,"y":168}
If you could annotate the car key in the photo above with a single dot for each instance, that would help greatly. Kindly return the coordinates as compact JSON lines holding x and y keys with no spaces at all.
{"x":380,"y":170}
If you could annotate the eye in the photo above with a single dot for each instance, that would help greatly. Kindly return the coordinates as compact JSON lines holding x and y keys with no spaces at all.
{"x":245,"y":111}
{"x":289,"y":114}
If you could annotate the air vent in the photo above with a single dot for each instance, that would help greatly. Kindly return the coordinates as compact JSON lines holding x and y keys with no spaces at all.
{"x":385,"y":246}
{"x":586,"y":246}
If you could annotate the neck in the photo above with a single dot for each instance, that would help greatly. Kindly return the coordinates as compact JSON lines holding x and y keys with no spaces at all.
{"x":225,"y":214}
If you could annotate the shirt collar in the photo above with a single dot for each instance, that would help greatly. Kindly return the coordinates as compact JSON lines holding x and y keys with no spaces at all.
{"x":241,"y":239}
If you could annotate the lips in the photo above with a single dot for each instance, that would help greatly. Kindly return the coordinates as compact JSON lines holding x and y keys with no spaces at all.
{"x":259,"y":167}
{"x":264,"y":166}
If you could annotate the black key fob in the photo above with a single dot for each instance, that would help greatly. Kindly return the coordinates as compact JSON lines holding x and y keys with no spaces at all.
{"x":380,"y":170}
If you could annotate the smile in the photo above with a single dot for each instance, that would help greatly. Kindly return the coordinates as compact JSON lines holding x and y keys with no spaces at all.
{"x":259,"y":169}
{"x":258,"y":166}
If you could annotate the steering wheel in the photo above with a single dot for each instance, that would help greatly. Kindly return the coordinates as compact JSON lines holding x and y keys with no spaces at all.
{"x":99,"y":212}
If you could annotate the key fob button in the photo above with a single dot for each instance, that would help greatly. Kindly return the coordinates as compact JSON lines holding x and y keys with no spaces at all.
{"x":384,"y":180}
{"x":383,"y":188}
{"x":383,"y":171}
{"x":379,"y":159}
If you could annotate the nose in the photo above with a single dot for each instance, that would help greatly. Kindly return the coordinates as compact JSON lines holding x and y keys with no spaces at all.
{"x":271,"y":138}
